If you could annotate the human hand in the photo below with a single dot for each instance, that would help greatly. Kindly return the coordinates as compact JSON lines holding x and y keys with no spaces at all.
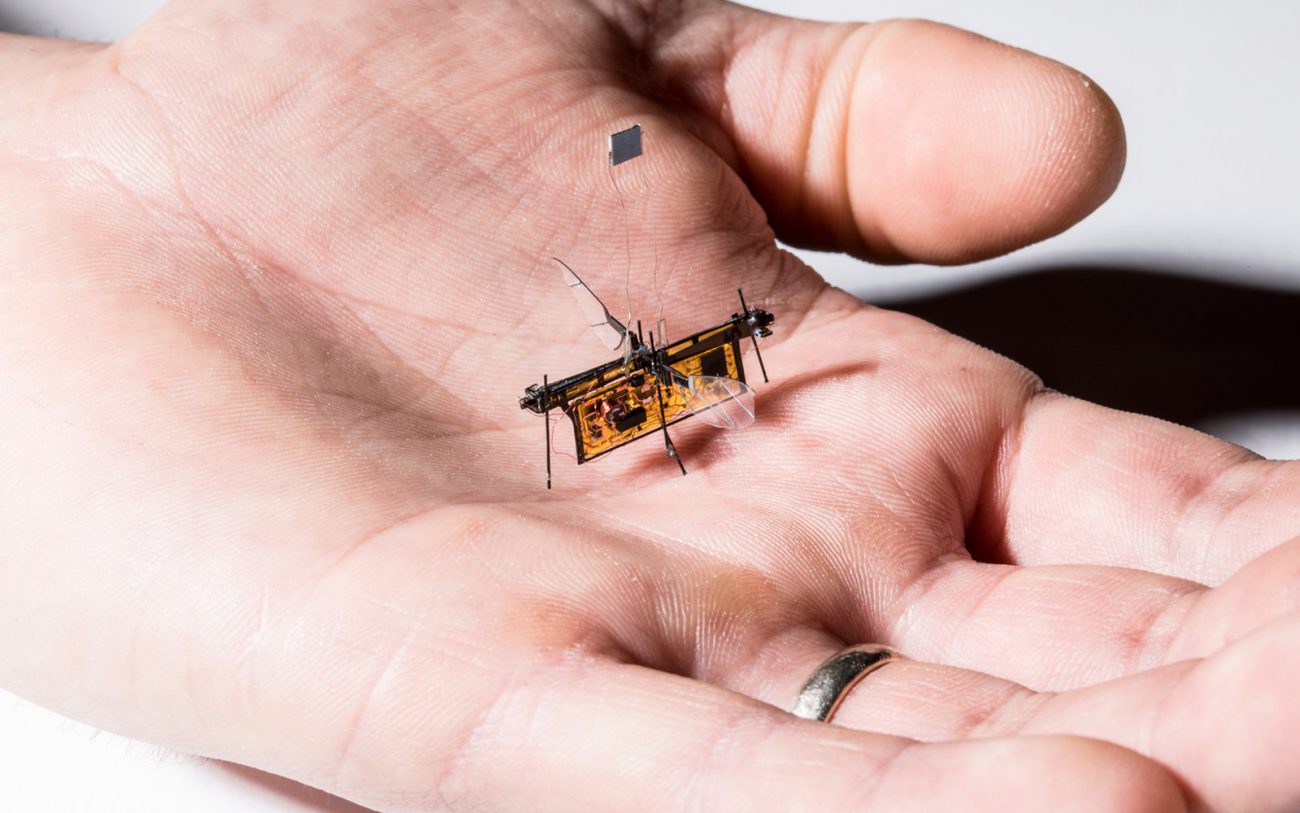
{"x":275,"y":275}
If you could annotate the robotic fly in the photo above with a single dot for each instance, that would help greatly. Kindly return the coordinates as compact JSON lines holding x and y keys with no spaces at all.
{"x":653,"y":384}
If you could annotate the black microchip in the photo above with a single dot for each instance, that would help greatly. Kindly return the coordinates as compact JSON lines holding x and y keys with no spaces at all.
{"x":714,"y":362}
{"x":633,"y":419}
{"x":625,"y":145}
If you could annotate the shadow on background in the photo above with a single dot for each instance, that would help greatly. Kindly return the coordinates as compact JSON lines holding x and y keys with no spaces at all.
{"x":28,"y":23}
{"x":1177,"y":347}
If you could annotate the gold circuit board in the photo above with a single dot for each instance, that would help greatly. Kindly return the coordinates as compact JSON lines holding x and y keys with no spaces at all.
{"x":621,"y":404}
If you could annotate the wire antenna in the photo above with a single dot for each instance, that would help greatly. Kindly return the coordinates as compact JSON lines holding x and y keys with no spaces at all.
{"x":627,"y":239}
{"x":624,"y":146}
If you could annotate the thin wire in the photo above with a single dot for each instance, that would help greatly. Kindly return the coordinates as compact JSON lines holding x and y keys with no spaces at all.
{"x":550,"y":431}
{"x":654,"y":241}
{"x":627,"y":240}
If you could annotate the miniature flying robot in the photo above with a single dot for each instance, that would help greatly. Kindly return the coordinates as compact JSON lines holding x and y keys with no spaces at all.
{"x":651,"y":386}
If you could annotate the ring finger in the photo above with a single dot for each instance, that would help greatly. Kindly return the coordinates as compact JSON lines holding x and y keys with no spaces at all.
{"x":1185,"y":715}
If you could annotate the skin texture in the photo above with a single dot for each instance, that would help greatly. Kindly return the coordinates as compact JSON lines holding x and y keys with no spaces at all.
{"x":274,"y":275}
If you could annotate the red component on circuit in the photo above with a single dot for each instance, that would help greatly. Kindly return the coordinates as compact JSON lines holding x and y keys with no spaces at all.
{"x":613,"y":410}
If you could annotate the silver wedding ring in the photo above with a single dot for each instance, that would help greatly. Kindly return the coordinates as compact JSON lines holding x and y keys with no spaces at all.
{"x":825,"y":690}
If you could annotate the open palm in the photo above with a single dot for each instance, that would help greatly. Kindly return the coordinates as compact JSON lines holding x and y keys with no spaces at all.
{"x":276,"y":273}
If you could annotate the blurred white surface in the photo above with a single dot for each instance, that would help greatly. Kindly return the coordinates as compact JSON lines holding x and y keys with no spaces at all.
{"x":53,"y":765}
{"x":1208,"y":90}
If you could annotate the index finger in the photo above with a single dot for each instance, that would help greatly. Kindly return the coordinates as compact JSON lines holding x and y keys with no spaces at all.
{"x":1079,"y":483}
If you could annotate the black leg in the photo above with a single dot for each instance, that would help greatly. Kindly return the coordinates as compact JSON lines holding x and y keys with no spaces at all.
{"x":744,"y":309}
{"x":546,"y":418}
{"x":669,"y":448}
{"x":759,"y":354}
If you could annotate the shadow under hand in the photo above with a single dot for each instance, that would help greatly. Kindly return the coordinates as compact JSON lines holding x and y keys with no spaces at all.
{"x":1179,"y":348}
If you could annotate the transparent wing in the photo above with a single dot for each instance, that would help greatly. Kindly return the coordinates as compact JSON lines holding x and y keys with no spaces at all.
{"x":608,"y":329}
{"x":720,"y":401}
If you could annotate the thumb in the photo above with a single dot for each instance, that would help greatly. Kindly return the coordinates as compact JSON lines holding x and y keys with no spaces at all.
{"x":901,"y":140}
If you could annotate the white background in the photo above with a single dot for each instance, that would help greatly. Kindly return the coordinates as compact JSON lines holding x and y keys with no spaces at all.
{"x":1210,"y":93}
